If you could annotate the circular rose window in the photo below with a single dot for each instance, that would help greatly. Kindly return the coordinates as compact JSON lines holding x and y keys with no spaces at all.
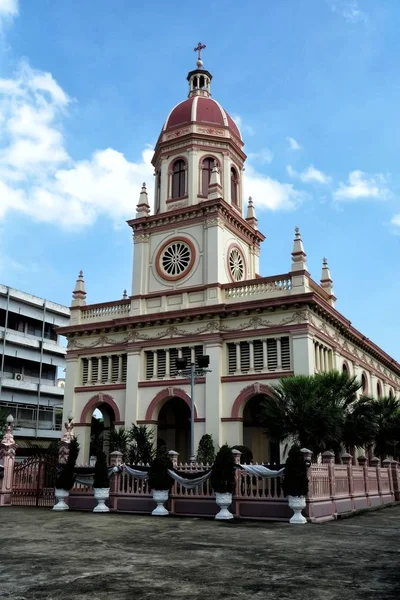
{"x":175,"y":259}
{"x":236,"y":264}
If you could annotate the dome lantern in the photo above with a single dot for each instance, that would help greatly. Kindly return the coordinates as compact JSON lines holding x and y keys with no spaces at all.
{"x":199,"y":79}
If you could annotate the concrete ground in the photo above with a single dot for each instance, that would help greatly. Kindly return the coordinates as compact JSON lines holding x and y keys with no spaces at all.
{"x":81,"y":556}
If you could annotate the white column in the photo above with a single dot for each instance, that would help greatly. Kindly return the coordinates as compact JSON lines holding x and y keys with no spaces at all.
{"x":99,"y":369}
{"x":167,"y":364}
{"x":251,"y":356}
{"x":133,"y":411}
{"x":212,"y":395}
{"x":302,"y":354}
{"x":192,"y":354}
{"x":238,"y":366}
{"x":279,"y":354}
{"x":265,"y":355}
{"x":316,"y":356}
{"x":119,"y":380}
{"x":155,"y":364}
{"x":90,"y":367}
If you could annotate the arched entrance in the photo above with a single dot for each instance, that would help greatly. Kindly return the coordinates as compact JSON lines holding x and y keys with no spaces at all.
{"x":99,"y":414}
{"x":173,"y":427}
{"x":103,"y":419}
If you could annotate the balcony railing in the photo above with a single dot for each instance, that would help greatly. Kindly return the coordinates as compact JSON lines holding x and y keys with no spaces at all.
{"x":105,"y":311}
{"x":267,"y":286}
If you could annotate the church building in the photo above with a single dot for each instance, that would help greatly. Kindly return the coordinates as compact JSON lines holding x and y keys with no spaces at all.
{"x":197,"y":290}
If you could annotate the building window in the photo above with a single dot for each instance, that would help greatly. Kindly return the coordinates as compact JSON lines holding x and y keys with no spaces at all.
{"x":345,"y":369}
{"x":206,"y":170}
{"x":234,"y":187}
{"x":178,"y":179}
{"x":236,"y":265}
{"x":378,"y":390}
{"x":158,"y":192}
{"x":262,"y":355}
{"x":364,"y":384}
{"x":175,"y":259}
{"x":161,"y":364}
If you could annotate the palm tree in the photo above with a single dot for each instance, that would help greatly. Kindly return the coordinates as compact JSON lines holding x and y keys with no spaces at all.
{"x":360,"y":424}
{"x":142,"y":448}
{"x":309,"y":410}
{"x":118,"y":440}
{"x":387,"y":436}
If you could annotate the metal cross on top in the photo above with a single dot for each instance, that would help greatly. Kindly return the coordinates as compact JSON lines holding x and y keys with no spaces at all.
{"x":199,"y":48}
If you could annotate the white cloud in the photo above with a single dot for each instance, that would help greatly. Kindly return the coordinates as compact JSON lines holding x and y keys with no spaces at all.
{"x":396,"y":221}
{"x":37,"y":175}
{"x":269,"y":193}
{"x":361,"y":185}
{"x":244,"y":128}
{"x":349,"y":10}
{"x":293,"y":144}
{"x":8,"y":8}
{"x":265,"y":155}
{"x":311,"y":174}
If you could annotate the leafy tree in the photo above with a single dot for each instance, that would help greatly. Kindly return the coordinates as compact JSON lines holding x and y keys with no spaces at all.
{"x":66,"y":477}
{"x":360,"y":424}
{"x":387,"y":436}
{"x":206,"y":450}
{"x":142,"y":445}
{"x":119,"y":440}
{"x":159,"y":479}
{"x":295,"y":480}
{"x":101,"y":478}
{"x":223,"y":471}
{"x":309,"y":410}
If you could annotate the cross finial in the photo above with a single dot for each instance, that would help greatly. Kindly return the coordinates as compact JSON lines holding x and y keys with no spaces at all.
{"x":199,"y":48}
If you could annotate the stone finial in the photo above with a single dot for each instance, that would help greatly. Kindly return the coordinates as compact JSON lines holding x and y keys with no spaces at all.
{"x":298,"y":254}
{"x":215,"y":187}
{"x":237,"y":456}
{"x":79,"y":293}
{"x":7,"y":444}
{"x":143,"y":206}
{"x":125,"y":295}
{"x":251,"y":214}
{"x":328,"y":457}
{"x":346,"y":458}
{"x":326,"y":280}
{"x":174,"y":456}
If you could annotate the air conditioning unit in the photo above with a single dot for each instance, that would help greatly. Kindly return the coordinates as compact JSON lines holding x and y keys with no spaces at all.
{"x":18,"y":376}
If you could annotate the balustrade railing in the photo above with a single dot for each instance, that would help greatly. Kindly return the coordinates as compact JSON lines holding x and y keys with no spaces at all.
{"x":277,"y":285}
{"x":109,"y":311}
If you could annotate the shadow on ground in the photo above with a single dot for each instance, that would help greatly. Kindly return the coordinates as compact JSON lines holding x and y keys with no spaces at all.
{"x":82,"y":556}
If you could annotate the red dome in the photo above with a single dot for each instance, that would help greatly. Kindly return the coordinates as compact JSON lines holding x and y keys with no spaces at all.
{"x":203,"y":110}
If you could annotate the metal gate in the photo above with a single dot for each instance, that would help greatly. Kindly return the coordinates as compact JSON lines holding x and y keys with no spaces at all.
{"x":34,"y":481}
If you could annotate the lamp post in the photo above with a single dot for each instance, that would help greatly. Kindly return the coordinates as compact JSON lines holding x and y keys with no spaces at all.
{"x":190,"y":372}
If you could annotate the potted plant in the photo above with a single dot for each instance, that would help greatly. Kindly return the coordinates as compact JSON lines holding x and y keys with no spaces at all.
{"x":295,"y":484}
{"x":223,"y":480}
{"x":66,"y":477}
{"x":206,"y":450}
{"x":160,"y":481}
{"x":101,"y":483}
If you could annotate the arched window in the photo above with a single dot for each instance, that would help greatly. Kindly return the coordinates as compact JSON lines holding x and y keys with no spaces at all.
{"x":234,"y":187}
{"x":345,"y":369}
{"x":158,"y":192}
{"x":391,"y":394}
{"x":206,"y":169}
{"x":178,"y":179}
{"x":364,"y":384}
{"x":378,"y":390}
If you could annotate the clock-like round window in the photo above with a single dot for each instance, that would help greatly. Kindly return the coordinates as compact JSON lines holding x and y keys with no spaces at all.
{"x":175,"y":259}
{"x":236,"y":264}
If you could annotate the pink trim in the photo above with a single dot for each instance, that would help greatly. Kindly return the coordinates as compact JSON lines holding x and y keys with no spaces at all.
{"x":235,"y":246}
{"x":245,"y":395}
{"x":100,"y":388}
{"x":188,"y":269}
{"x":161,"y":398}
{"x":96,"y":401}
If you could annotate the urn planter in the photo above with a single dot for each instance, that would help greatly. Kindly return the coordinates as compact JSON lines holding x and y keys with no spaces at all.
{"x":61,"y":495}
{"x":223,"y":501}
{"x":101,"y":495}
{"x":297,"y":504}
{"x":160,"y":496}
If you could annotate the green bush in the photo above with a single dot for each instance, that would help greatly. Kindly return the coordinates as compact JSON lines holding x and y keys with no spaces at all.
{"x":223,"y":471}
{"x":295,"y":480}
{"x":247,"y":455}
{"x":158,"y":472}
{"x":66,"y":477}
{"x":101,"y":478}
{"x":206,"y":450}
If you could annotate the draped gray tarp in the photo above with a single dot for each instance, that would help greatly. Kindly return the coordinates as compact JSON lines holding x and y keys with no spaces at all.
{"x":135,"y":473}
{"x":89,"y":478}
{"x":189,"y":484}
{"x":260,"y":471}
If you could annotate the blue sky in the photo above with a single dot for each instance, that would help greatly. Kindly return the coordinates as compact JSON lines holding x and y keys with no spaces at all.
{"x":85,"y":87}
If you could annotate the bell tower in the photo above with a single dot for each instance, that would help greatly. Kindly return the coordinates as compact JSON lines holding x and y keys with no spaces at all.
{"x":197,"y":236}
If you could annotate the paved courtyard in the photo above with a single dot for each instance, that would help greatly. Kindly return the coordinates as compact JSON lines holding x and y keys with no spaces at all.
{"x":82,"y":556}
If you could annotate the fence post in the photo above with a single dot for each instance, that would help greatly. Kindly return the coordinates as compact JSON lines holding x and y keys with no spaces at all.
{"x":386,"y":465}
{"x":328,"y":458}
{"x":363,"y":462}
{"x":174,"y":456}
{"x":376,"y":464}
{"x":396,"y":479}
{"x":347,"y":459}
{"x":116,"y":458}
{"x":7,"y":453}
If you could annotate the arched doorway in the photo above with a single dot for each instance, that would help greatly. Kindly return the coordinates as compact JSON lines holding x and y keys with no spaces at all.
{"x":264,"y":451}
{"x":103,"y":419}
{"x":173,"y":429}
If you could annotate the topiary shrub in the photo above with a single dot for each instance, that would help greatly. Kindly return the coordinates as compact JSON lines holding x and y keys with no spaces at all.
{"x":66,"y":476}
{"x":295,"y":480}
{"x":158,"y":472}
{"x":101,"y":478}
{"x":223,"y":471}
{"x":247,"y":455}
{"x":206,"y":450}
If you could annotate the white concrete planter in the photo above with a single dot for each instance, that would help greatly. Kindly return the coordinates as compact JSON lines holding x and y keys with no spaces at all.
{"x":223,"y":501}
{"x":61,"y":496}
{"x":160,"y":496}
{"x":297,"y":504}
{"x":101,"y":495}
